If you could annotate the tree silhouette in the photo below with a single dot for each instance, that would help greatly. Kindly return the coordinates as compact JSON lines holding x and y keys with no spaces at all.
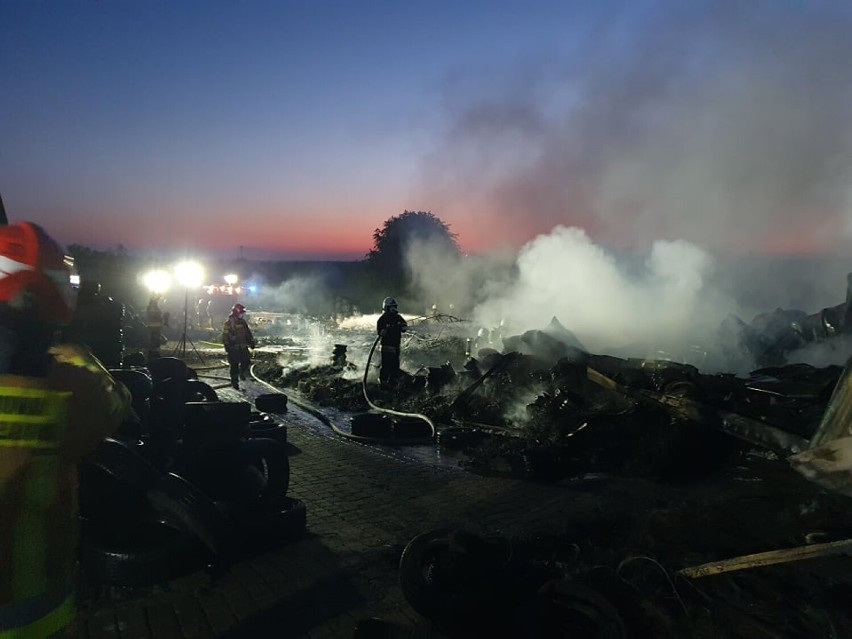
{"x":386,"y":261}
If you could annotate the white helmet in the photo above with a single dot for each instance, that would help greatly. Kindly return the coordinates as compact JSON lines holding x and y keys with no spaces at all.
{"x":389,"y":302}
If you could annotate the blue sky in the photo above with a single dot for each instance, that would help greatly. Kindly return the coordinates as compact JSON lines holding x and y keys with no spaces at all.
{"x":295,"y":128}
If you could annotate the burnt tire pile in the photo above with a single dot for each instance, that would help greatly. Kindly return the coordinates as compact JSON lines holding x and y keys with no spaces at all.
{"x":192,"y":482}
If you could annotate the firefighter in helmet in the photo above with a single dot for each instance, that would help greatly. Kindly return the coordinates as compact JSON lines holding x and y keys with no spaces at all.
{"x":58,"y":402}
{"x":390,"y":325}
{"x":237,"y":338}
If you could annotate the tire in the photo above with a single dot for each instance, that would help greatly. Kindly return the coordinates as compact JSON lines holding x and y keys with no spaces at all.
{"x":445,"y":575}
{"x":133,"y":360}
{"x":214,"y":422}
{"x":198,"y":391}
{"x":268,"y":430}
{"x":270,"y":458}
{"x":137,"y":381}
{"x":271,"y":403}
{"x":137,"y":552}
{"x":270,"y":528}
{"x":103,"y":498}
{"x":567,"y":608}
{"x":458,"y":438}
{"x":223,"y":477}
{"x":164,"y":368}
{"x":125,"y":463}
{"x":187,"y":507}
{"x":411,"y":428}
{"x":375,"y":425}
{"x":141,"y":388}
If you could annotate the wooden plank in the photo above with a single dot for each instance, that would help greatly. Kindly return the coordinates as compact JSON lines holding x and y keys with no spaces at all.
{"x":768,"y":558}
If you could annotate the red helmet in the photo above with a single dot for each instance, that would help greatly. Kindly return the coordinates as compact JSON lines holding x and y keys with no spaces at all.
{"x":238,"y":309}
{"x":36,"y":274}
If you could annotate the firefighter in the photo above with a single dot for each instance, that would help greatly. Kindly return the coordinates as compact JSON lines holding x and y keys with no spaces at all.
{"x":390,"y":326}
{"x":57,"y":403}
{"x":237,"y":338}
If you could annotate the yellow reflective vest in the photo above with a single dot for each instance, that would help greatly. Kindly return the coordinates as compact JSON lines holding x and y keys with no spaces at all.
{"x":47,"y":425}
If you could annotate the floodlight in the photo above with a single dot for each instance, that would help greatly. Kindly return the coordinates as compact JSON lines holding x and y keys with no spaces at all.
{"x":157,"y":281}
{"x":231,"y":279}
{"x":189,"y":274}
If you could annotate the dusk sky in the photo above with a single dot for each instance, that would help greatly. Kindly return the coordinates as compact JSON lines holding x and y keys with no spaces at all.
{"x":293,"y":129}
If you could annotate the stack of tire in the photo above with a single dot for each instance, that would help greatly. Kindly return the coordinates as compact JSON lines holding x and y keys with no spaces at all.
{"x":189,"y":482}
{"x":98,"y":323}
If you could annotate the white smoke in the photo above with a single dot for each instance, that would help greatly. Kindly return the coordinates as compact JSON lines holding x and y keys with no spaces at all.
{"x":453,"y":282}
{"x":727,"y":125}
{"x":604,"y":301}
{"x":305,"y":294}
{"x":715,"y":137}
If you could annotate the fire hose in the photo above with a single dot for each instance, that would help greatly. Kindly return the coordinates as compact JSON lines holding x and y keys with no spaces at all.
{"x":388,"y":411}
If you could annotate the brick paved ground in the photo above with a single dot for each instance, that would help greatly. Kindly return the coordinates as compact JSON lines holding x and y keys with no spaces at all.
{"x":362,"y":508}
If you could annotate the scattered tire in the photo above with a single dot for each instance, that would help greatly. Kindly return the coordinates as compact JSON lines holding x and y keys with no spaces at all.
{"x":265,"y":528}
{"x":567,"y":608}
{"x":133,"y":552}
{"x":411,"y":428}
{"x":445,"y":575}
{"x":271,"y":403}
{"x":375,"y":425}
{"x":680,"y":388}
{"x":459,"y":437}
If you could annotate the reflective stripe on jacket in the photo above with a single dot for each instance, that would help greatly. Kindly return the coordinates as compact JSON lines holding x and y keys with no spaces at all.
{"x":47,"y":425}
{"x":35,"y":560}
{"x":236,"y":333}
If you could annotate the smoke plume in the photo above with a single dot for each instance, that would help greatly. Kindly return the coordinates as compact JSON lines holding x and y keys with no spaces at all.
{"x":676,"y":167}
{"x":723,"y":124}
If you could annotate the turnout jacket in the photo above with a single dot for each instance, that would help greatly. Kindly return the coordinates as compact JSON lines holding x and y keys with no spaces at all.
{"x":47,"y":425}
{"x":391,"y":325}
{"x":236,"y":334}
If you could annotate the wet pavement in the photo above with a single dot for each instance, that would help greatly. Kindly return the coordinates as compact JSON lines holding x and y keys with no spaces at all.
{"x":364,"y":503}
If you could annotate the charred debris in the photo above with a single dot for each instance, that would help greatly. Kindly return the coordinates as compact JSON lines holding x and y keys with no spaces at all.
{"x":714,"y":521}
{"x":544,"y":407}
